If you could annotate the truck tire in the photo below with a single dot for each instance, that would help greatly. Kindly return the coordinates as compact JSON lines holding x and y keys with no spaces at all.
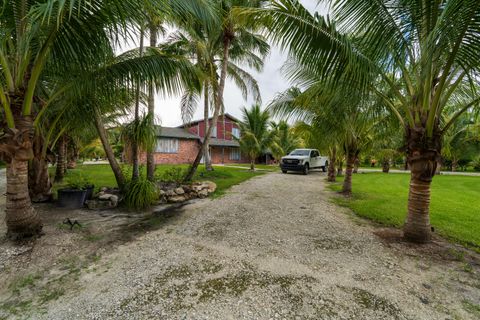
{"x":306,"y":169}
{"x":284,"y":171}
{"x":324,"y":168}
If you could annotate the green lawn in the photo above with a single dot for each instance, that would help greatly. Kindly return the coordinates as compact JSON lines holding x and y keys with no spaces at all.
{"x":102,"y":176}
{"x":268,"y":167}
{"x":455,"y":204}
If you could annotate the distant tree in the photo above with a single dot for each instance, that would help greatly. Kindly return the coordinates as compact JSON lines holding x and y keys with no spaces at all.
{"x":284,"y":139}
{"x":255,"y":136}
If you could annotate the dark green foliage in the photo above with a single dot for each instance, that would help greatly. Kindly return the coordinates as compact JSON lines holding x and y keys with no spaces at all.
{"x":140,"y":194}
{"x":173,"y":174}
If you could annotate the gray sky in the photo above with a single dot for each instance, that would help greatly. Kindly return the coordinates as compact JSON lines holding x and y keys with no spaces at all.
{"x":270,"y":81}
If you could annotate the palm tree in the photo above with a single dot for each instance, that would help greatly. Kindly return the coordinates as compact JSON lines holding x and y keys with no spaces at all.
{"x":423,"y":52}
{"x":234,"y":41}
{"x":43,"y":39}
{"x":284,"y":139}
{"x":202,"y":46}
{"x":255,"y":137}
{"x":332,"y":116}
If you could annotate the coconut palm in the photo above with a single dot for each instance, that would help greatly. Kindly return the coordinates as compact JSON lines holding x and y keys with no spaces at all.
{"x":423,"y":52}
{"x":202,"y":45}
{"x":233,"y":43}
{"x":44,"y":39}
{"x":255,"y":137}
{"x":284,"y":139}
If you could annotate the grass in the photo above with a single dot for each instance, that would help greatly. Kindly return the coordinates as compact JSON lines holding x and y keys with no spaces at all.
{"x":454,"y":203}
{"x":102,"y":176}
{"x":268,"y":167}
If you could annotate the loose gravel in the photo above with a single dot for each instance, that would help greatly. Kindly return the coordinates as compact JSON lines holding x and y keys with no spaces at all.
{"x":274,"y":247}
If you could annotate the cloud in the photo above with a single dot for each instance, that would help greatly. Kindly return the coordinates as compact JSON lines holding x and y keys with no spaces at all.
{"x":270,"y":81}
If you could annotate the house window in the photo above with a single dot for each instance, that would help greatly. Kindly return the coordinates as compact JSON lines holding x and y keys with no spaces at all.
{"x":214,"y":132}
{"x":165,"y":145}
{"x":236,"y":133}
{"x":235,"y":154}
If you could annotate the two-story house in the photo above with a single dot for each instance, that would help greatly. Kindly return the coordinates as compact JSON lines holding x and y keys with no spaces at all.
{"x":181,"y":144}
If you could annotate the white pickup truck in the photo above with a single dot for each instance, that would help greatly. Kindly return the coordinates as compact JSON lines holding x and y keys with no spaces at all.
{"x":303,"y":160}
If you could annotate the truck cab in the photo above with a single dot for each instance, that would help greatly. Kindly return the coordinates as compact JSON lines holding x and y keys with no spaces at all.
{"x":302,"y":160}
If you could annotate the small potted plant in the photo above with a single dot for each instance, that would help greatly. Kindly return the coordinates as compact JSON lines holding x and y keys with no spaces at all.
{"x":75,"y":193}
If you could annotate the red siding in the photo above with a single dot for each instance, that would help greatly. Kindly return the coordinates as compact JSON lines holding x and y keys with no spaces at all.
{"x":198,"y":128}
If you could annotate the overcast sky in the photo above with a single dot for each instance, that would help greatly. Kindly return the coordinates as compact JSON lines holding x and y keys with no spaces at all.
{"x":270,"y":81}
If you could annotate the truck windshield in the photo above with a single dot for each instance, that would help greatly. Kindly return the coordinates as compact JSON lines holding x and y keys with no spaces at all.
{"x":300,"y":152}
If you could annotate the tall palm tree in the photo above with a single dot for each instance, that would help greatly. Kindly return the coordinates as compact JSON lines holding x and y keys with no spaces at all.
{"x":201,"y":45}
{"x":422,"y":51}
{"x":255,"y":137}
{"x":233,"y":41}
{"x":40,"y":39}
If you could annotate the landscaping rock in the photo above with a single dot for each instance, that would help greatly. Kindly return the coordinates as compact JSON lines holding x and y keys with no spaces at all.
{"x":203,"y":193}
{"x":170,"y":193}
{"x":179,"y":191}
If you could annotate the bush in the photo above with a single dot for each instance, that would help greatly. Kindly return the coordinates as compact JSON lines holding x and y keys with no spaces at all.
{"x":476,"y":164}
{"x":76,"y":180}
{"x":172,"y":175}
{"x":140,"y":194}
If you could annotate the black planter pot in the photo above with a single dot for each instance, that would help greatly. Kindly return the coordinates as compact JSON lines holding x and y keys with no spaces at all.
{"x":71,"y":198}
{"x":89,"y":190}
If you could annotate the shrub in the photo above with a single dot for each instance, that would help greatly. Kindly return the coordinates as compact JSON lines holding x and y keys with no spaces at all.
{"x":172,"y":175}
{"x":76,"y":180}
{"x":476,"y":164}
{"x":140,"y":194}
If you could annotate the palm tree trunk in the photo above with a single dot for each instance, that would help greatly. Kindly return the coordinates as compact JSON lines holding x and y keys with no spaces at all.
{"x":332,"y":177}
{"x":21,"y":218}
{"x":151,"y":107}
{"x":39,"y":183}
{"x":347,"y":182}
{"x":356,"y":165}
{"x":252,"y":163}
{"x":422,"y":157}
{"x":135,"y":163}
{"x":218,"y":105}
{"x":102,"y":133}
{"x":340,"y":168}
{"x":61,"y":160}
{"x":385,"y":165}
{"x":206,"y":153}
{"x":454,"y":164}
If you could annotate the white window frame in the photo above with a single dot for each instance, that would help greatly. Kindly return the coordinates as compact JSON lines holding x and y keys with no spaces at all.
{"x":167,"y":145}
{"x":237,"y":131}
{"x":214,"y":132}
{"x":235,"y":154}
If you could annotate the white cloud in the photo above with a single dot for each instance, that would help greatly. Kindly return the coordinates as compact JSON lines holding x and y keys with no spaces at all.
{"x":270,"y":81}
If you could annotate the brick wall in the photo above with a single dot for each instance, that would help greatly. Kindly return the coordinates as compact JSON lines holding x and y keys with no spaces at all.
{"x":187,"y":151}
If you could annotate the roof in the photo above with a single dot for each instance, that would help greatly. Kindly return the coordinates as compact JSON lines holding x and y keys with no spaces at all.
{"x":189,"y":124}
{"x":223,"y":143}
{"x":181,"y":133}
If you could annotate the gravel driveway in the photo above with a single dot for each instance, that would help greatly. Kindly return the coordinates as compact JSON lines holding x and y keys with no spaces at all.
{"x":274,"y":247}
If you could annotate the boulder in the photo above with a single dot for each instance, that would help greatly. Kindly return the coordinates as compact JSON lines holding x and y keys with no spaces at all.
{"x":170,"y":193}
{"x":179,"y":191}
{"x":210,"y":186}
{"x":202,"y":193}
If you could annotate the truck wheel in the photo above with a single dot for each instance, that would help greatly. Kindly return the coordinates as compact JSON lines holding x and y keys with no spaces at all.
{"x":305,"y":169}
{"x":284,"y":171}
{"x":324,"y":168}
